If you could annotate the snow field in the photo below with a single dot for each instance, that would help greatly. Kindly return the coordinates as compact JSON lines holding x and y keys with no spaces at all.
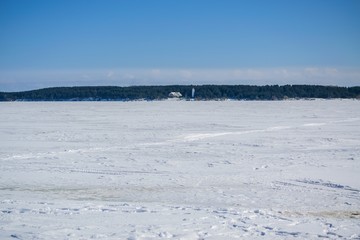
{"x":180,"y":170}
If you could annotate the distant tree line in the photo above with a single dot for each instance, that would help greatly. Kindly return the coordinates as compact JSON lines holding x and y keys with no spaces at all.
{"x":203,"y":92}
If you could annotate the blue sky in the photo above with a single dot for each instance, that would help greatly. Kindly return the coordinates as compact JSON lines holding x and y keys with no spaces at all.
{"x":143,"y":42}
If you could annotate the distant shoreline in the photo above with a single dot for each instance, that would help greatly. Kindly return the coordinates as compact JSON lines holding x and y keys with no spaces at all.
{"x":184,"y":92}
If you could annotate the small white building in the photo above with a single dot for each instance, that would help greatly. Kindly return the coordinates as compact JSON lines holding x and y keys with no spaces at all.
{"x":175,"y":95}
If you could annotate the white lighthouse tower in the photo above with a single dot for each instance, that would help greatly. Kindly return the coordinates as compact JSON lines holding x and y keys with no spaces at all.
{"x":192,"y":93}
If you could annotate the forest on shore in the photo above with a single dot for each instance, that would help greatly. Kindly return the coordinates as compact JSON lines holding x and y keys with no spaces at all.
{"x":202,"y":92}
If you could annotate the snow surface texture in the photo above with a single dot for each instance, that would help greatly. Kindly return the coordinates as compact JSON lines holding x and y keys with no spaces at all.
{"x":181,"y":170}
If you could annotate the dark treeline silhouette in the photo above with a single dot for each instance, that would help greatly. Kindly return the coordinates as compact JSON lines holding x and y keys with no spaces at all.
{"x":203,"y":92}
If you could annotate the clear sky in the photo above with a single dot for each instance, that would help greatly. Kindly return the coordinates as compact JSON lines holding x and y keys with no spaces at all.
{"x":144,"y":42}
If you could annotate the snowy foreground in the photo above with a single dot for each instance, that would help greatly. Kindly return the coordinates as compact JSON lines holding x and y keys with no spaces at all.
{"x":181,"y":170}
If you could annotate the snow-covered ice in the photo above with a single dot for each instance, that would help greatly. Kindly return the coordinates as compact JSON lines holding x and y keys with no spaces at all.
{"x":180,"y":170}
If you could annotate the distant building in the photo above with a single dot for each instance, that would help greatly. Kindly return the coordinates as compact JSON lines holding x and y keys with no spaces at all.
{"x":175,"y":95}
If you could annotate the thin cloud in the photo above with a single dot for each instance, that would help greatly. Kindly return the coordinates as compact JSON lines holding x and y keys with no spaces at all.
{"x":110,"y":74}
{"x":31,"y":79}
